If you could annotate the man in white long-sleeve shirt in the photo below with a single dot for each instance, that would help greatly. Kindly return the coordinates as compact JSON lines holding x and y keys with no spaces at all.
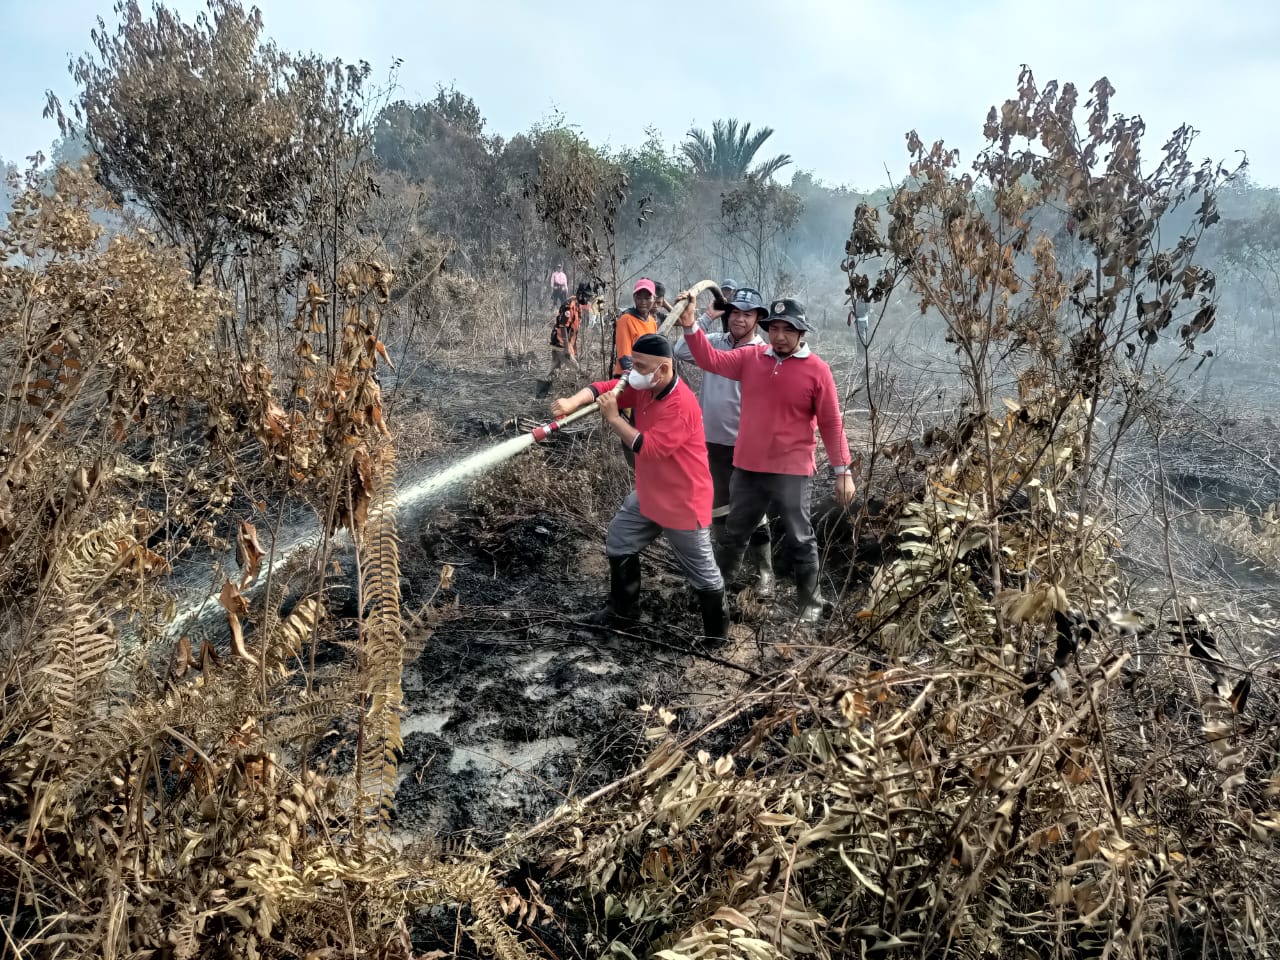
{"x":721,"y":401}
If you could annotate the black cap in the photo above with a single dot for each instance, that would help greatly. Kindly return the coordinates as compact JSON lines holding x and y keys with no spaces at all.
{"x":789,"y":311}
{"x":746,"y":299}
{"x":727,"y":284}
{"x":652,"y":345}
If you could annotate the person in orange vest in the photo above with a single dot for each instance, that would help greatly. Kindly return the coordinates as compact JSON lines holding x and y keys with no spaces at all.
{"x":672,"y":494}
{"x":634,"y":323}
{"x":564,"y":335}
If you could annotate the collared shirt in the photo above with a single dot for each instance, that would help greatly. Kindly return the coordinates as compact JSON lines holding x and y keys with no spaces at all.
{"x":720,"y":397}
{"x":783,"y":400}
{"x":801,"y":352}
{"x":673,"y":481}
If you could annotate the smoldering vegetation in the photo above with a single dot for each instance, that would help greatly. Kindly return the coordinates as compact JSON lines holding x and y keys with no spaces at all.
{"x":258,"y":297}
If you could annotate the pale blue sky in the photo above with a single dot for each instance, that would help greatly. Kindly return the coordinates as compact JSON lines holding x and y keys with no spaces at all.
{"x":840,"y":82}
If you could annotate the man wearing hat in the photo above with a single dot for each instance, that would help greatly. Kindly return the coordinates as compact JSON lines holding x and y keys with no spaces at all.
{"x":635,"y":322}
{"x":707,"y":321}
{"x":721,"y":400}
{"x":672,"y":494}
{"x":786,"y":391}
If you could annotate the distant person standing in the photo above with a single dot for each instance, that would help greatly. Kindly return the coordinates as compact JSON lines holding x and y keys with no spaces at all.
{"x":787,"y":391}
{"x":564,"y":335}
{"x":661,"y":309}
{"x":559,"y":287}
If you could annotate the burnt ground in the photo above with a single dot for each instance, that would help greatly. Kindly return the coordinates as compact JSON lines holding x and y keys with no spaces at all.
{"x":515,"y":704}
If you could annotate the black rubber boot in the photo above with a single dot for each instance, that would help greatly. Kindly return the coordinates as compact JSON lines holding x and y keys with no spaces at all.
{"x":809,"y":603}
{"x":715,"y":616}
{"x":624,"y":593}
{"x":729,"y":561}
{"x":544,"y":388}
{"x":761,"y":554}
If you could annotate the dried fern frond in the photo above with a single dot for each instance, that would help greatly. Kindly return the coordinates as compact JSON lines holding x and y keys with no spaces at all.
{"x":381,"y":649}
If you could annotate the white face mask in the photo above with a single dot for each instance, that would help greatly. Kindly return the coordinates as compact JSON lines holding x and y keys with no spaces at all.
{"x":640,"y":381}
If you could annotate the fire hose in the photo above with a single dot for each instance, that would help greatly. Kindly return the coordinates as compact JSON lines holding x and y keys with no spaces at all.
{"x":541,"y":433}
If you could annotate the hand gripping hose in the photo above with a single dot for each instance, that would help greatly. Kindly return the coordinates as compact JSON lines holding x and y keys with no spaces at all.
{"x":547,"y":429}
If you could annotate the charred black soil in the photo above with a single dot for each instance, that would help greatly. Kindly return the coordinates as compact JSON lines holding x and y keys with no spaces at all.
{"x":515,"y":704}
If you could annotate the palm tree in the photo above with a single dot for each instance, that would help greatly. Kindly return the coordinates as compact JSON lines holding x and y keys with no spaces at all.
{"x":727,"y":154}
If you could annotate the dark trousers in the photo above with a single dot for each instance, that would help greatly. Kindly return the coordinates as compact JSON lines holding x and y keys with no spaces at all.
{"x":720,"y":460}
{"x":560,"y":357}
{"x":631,"y":531}
{"x":752,"y":495}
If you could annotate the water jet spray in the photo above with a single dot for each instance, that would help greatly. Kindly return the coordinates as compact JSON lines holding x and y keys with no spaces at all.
{"x":423,"y":490}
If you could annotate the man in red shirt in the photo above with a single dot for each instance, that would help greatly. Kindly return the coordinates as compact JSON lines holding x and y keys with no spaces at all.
{"x":672,"y":494}
{"x":786,"y":391}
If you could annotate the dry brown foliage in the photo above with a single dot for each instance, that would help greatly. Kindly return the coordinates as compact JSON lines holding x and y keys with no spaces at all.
{"x":159,"y":794}
{"x":990,"y":755}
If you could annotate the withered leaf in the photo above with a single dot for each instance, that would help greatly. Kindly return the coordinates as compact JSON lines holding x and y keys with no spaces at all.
{"x":276,"y":420}
{"x":249,"y":553}
{"x":181,"y":657}
{"x":382,"y":352}
{"x":231,"y":600}
{"x":1240,"y":693}
{"x":236,"y":606}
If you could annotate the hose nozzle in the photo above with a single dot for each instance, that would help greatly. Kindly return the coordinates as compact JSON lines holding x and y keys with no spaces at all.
{"x":547,"y":429}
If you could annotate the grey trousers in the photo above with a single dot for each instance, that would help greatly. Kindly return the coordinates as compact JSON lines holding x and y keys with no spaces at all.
{"x":750,"y":496}
{"x":560,"y":357}
{"x":631,"y":531}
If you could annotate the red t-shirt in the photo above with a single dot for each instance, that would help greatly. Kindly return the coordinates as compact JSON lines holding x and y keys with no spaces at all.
{"x":673,"y":482}
{"x":782,"y":402}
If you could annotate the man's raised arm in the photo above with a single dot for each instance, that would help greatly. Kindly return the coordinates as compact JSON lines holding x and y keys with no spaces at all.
{"x":724,"y":363}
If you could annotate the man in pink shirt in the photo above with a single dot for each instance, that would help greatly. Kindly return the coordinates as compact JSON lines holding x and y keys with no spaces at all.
{"x":786,"y":391}
{"x":559,"y":287}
